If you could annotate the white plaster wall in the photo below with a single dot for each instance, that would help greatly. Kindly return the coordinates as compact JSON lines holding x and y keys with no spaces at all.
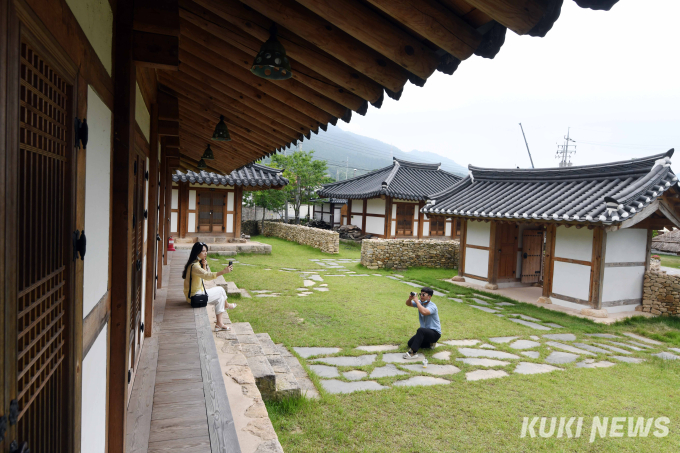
{"x":93,"y":424}
{"x":327,"y":217}
{"x":477,"y":262}
{"x":174,"y":202}
{"x":230,"y":223}
{"x":394,"y":228}
{"x":478,"y":233}
{"x":394,"y":211}
{"x":173,"y":222}
{"x":575,"y":244}
{"x":95,"y":17}
{"x":142,"y":115}
{"x":375,"y":225}
{"x":357,"y":206}
{"x":230,"y":201}
{"x":622,"y":283}
{"x":317,"y":215}
{"x":356,"y":220}
{"x":426,"y":229}
{"x":415,"y":211}
{"x":192,"y":199}
{"x":336,"y":215}
{"x":375,"y":206}
{"x":626,"y":246}
{"x":571,"y":280}
{"x":327,"y":207}
{"x":192,"y":222}
{"x":447,"y":229}
{"x":97,"y":194}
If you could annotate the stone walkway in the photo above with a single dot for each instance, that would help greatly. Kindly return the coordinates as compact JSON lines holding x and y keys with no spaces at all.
{"x":380,"y":368}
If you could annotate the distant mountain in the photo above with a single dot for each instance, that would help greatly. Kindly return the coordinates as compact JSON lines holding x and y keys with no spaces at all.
{"x":346,"y":151}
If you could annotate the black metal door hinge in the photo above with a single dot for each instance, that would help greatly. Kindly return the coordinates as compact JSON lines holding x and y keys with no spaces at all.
{"x":146,"y":214}
{"x":79,"y":244}
{"x":146,"y":175}
{"x":139,"y":265}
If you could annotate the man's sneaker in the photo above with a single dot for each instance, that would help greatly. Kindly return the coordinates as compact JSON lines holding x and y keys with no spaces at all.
{"x":433,"y":345}
{"x":409,"y":356}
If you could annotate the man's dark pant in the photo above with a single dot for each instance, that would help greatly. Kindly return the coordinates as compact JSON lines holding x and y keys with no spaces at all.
{"x":423,"y":339}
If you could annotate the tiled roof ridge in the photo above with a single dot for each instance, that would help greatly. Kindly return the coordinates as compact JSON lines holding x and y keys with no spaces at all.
{"x":419,"y":165}
{"x":393,"y":173}
{"x":252,"y":175}
{"x":356,"y":178}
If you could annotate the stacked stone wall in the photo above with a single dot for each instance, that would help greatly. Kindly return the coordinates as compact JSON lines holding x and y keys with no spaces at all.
{"x":405,"y":253}
{"x":661,"y":295}
{"x":325,"y":240}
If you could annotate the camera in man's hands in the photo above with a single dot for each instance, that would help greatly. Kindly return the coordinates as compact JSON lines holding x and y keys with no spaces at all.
{"x":413,"y":294}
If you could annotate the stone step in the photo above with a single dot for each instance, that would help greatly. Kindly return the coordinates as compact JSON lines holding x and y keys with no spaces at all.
{"x":286,"y":383}
{"x":307,"y":387}
{"x":265,"y":377}
{"x":229,"y":287}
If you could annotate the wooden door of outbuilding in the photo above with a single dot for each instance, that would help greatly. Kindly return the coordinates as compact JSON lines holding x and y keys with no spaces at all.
{"x":211,"y":212}
{"x":405,"y":219}
{"x":532,"y":255}
{"x":507,"y":267}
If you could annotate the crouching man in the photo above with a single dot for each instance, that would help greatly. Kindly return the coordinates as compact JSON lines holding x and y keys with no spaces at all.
{"x":430,"y":329}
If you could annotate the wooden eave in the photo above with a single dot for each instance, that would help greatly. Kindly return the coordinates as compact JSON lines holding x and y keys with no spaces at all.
{"x":344,"y":55}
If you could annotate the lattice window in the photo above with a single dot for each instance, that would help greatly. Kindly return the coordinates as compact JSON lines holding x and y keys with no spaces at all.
{"x":41,"y":271}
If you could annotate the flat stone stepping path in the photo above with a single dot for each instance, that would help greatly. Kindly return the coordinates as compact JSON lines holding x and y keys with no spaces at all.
{"x":321,"y":289}
{"x":614,"y":348}
{"x":529,"y":318}
{"x":397,"y":357}
{"x":377,"y":275}
{"x":552,"y":324}
{"x":421,"y":380}
{"x":602,"y":335}
{"x":602,"y":364}
{"x":439,"y":370}
{"x":268,"y":295}
{"x":487,"y":346}
{"x":348,"y":361}
{"x":485,"y":297}
{"x":502,"y":339}
{"x":393,"y":278}
{"x":260,"y":291}
{"x":488,"y":310}
{"x":646,"y":346}
{"x":534,"y":368}
{"x":359,"y":275}
{"x":533,"y":325}
{"x":325,"y":371}
{"x":339,"y":275}
{"x":534,"y":337}
{"x":561,"y":336}
{"x":499,"y":315}
{"x":324,"y":285}
{"x":308,"y":283}
{"x":335,"y":386}
{"x":646,"y":340}
{"x":569,"y":348}
{"x":397,"y":276}
{"x":455,"y":300}
{"x":504,"y":304}
{"x":675,"y":349}
{"x":470,"y":352}
{"x":316,"y":277}
{"x":483,"y":362}
{"x":355,"y":375}
{"x":461,"y":342}
{"x":667,"y":356}
{"x":378,"y":348}
{"x":628,"y":359}
{"x":304,"y":294}
{"x":558,"y":357}
{"x":531,"y":354}
{"x":591,"y":348}
{"x":446,"y":355}
{"x":524,"y":344}
{"x":301,"y":289}
{"x":626,"y":345}
{"x":306,"y":353}
{"x":481,"y":302}
{"x":478,"y":375}
{"x":386,"y":371}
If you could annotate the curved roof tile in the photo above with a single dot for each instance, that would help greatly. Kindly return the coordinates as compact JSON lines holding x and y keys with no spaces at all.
{"x":252,"y":175}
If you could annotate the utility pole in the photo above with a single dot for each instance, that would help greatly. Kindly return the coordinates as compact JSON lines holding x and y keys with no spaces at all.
{"x":355,"y":173}
{"x":564,"y":152}
{"x":525,"y":142}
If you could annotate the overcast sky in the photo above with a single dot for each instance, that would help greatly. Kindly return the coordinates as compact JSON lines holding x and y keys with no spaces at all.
{"x":612,"y":76}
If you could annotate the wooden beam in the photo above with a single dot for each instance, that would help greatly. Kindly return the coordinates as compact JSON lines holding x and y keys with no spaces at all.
{"x":225,"y":159}
{"x":199,"y":56}
{"x":336,"y":42}
{"x":549,"y":259}
{"x":258,"y":25}
{"x":524,"y":17}
{"x":157,"y":16}
{"x":152,"y":219}
{"x":170,"y":142}
{"x":168,"y":127}
{"x":290,"y":91}
{"x":168,"y":107}
{"x":156,"y":51}
{"x":238,"y":145}
{"x":121,"y":228}
{"x":207,"y":20}
{"x":434,"y":22}
{"x":371,"y":29}
{"x":469,"y":14}
{"x":494,"y":239}
{"x":188,"y":163}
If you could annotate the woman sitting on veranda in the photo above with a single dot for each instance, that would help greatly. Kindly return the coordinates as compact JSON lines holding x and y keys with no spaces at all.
{"x":198,"y":266}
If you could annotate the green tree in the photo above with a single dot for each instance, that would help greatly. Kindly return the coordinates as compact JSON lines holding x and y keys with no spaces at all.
{"x":305,"y":175}
{"x":271,"y":199}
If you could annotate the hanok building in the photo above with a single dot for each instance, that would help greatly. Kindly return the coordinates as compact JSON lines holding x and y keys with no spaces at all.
{"x":667,"y":243}
{"x":584,"y":232}
{"x":207,"y":202}
{"x":386,"y":202}
{"x":331,"y":210}
{"x":100,"y":101}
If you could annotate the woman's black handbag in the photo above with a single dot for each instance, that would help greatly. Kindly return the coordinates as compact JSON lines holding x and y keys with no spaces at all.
{"x":198,"y":300}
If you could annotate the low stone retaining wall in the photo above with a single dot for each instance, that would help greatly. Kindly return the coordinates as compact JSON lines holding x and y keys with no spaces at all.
{"x":250,"y":227}
{"x":661,"y":295}
{"x":325,"y":240}
{"x":405,"y":253}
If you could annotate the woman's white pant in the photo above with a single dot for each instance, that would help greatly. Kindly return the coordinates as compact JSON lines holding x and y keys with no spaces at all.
{"x":217,"y":297}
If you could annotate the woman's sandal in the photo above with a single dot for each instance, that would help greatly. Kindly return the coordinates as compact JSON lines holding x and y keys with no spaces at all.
{"x":231,"y":306}
{"x":220,"y":329}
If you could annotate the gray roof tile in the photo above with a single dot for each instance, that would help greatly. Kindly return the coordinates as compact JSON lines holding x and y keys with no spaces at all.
{"x":402,"y":179}
{"x":252,"y":175}
{"x":559,"y":194}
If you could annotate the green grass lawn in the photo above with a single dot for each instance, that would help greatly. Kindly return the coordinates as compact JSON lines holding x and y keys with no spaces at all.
{"x":462,"y":416}
{"x":670,"y":261}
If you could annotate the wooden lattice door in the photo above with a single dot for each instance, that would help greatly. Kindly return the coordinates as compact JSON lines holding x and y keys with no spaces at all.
{"x":138,"y":171}
{"x":211,"y":212}
{"x":532,"y":255}
{"x":44,"y":259}
{"x":437,"y":225}
{"x":507,"y":247}
{"x":404,"y":219}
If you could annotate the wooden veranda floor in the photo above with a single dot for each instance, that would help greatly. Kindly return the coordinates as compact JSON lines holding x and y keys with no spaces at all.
{"x":179,"y":402}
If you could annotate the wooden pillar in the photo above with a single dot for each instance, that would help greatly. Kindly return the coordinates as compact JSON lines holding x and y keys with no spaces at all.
{"x":421,"y":219}
{"x":650,"y":234}
{"x":597,"y":266}
{"x":363,"y":217}
{"x":152,"y":223}
{"x":461,"y":251}
{"x":388,"y":217}
{"x":183,"y":210}
{"x":332,"y":214}
{"x":494,"y":256}
{"x":121,"y":228}
{"x":161,"y":216}
{"x":238,"y":206}
{"x":548,"y":262}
